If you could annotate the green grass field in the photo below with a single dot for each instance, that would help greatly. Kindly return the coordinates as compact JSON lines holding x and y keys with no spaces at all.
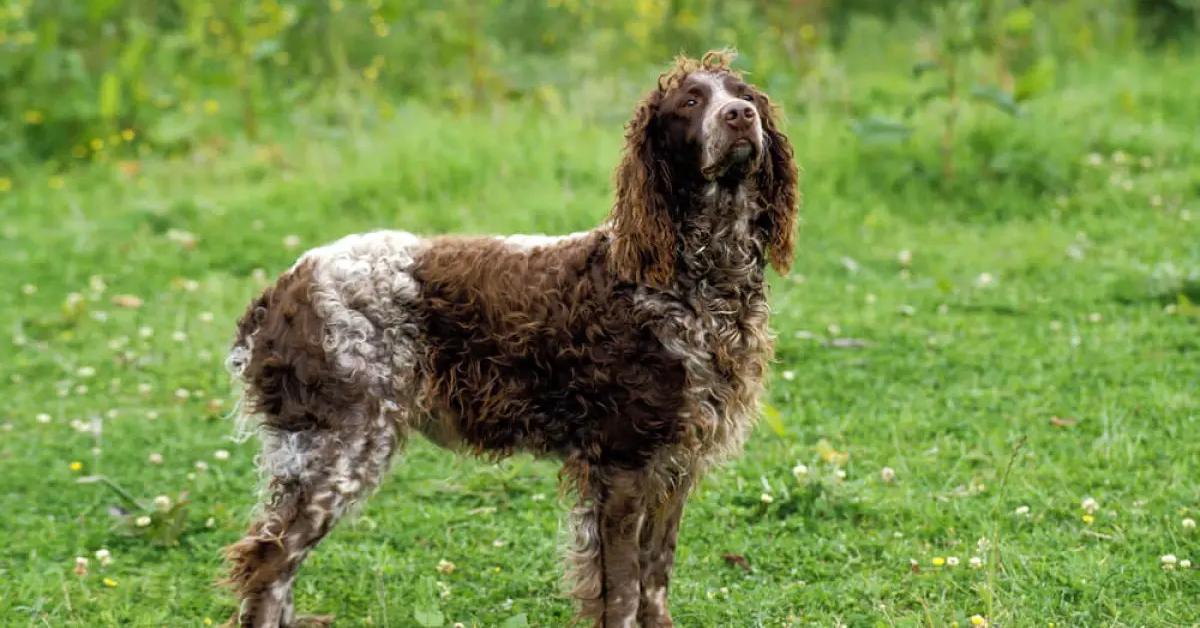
{"x":1010,"y":344}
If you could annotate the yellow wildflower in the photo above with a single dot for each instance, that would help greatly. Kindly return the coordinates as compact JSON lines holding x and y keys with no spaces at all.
{"x":76,"y":465}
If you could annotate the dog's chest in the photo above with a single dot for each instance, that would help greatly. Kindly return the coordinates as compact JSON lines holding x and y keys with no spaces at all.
{"x":719,"y":334}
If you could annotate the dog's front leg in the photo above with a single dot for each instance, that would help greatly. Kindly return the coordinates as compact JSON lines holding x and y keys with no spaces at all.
{"x":658,"y":555}
{"x":621,"y":510}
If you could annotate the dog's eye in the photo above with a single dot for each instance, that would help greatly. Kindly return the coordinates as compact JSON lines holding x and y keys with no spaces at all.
{"x":691,"y":102}
{"x":748,"y":97}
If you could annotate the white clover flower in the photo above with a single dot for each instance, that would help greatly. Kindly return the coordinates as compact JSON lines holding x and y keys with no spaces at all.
{"x":206,"y":317}
{"x":788,"y":375}
{"x":766,"y":498}
{"x":1168,"y":561}
{"x":1089,"y":504}
{"x":104,"y":557}
{"x":179,"y":336}
{"x":210,"y":522}
{"x":42,"y":418}
{"x":1021,"y":511}
{"x":1095,"y":317}
{"x":221,"y":454}
{"x":951,"y":561}
{"x":81,"y":566}
{"x":840,"y":474}
{"x":86,"y":371}
{"x":445,"y":566}
{"x":975,"y":562}
{"x":162,"y":502}
{"x":1185,"y":564}
{"x":904,"y":257}
{"x":1188,"y":523}
{"x":155,"y":458}
{"x":201,"y":465}
{"x":887,"y":474}
{"x":145,"y":331}
{"x":142,"y":521}
{"x":984,"y":280}
{"x":291,"y":241}
{"x":152,"y":414}
{"x":1095,"y":159}
{"x":800,"y":471}
{"x":182,"y":393}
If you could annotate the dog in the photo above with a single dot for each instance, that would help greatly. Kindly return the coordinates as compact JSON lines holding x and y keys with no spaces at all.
{"x":634,"y":353}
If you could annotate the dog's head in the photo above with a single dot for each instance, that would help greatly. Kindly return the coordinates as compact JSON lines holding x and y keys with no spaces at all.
{"x":702,"y":124}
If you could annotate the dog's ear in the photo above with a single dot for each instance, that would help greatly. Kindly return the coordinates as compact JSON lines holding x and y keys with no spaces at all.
{"x":643,"y":240}
{"x":777,"y":186}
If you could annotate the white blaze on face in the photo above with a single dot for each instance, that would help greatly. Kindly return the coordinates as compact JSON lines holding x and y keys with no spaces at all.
{"x":713,"y":126}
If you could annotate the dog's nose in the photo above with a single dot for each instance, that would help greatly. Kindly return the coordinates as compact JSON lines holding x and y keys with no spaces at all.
{"x":739,"y":115}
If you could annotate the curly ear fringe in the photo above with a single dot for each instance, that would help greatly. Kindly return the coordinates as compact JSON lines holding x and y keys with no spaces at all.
{"x":778,"y":181}
{"x":643,"y":247}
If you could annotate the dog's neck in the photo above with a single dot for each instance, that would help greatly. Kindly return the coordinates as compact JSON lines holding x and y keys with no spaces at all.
{"x":720,"y":242}
{"x":719,"y":239}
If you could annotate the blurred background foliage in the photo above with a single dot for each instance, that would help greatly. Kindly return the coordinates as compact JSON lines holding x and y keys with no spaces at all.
{"x":101,"y":80}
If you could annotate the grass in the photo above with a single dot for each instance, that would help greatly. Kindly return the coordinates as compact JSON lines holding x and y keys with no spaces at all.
{"x":1035,"y":347}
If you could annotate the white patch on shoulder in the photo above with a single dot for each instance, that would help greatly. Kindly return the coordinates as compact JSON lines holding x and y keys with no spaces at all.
{"x":533,"y":241}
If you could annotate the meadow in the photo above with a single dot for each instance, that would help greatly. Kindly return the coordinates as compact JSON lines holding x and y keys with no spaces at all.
{"x":983,"y":408}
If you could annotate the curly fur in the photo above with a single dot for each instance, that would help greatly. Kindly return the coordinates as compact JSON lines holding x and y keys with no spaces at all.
{"x":634,"y":352}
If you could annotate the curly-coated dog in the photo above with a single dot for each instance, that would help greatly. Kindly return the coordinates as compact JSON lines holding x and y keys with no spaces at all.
{"x":634,"y":352}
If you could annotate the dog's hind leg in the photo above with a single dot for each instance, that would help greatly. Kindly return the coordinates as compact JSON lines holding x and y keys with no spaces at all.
{"x":314,"y":475}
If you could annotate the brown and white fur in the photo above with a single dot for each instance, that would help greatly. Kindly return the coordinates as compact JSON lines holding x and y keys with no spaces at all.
{"x":634,"y":352}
